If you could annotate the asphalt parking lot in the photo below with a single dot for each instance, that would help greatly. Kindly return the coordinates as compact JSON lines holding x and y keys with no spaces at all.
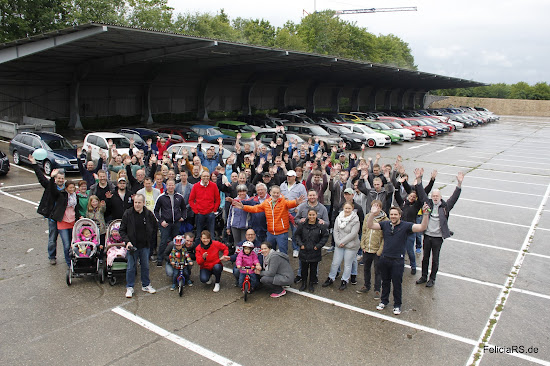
{"x":493,"y":285}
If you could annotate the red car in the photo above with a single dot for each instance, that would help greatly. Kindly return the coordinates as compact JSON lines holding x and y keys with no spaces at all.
{"x":431,"y":131}
{"x":418,"y":132}
{"x":179,"y":134}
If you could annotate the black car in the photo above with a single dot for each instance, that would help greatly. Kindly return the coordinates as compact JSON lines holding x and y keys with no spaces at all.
{"x":139,"y":135}
{"x":61,"y":153}
{"x":4,"y":163}
{"x":353,"y":140}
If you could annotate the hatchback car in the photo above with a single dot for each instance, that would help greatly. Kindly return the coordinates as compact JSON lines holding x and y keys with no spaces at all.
{"x":232,"y":128}
{"x":139,"y":135}
{"x":185,"y":133}
{"x":374,"y":139}
{"x":209,"y":133}
{"x":4,"y":163}
{"x":99,"y":142}
{"x":61,"y":153}
{"x":306,"y":131}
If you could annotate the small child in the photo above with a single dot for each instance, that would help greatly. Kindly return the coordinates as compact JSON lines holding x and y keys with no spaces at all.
{"x":82,"y":249}
{"x":115,"y":250}
{"x":179,"y":257}
{"x":248,"y":258}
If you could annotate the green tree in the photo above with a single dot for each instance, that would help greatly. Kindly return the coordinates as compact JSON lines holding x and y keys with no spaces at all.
{"x":391,"y":50}
{"x":287,"y":38}
{"x":99,"y":11}
{"x":155,"y":14}
{"x":257,"y":32}
{"x":206,"y":25}
{"x":541,"y":91}
{"x":520,"y":90}
{"x":24,"y":18}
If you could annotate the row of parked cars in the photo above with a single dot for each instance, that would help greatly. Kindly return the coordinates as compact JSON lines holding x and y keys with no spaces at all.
{"x":356,"y":129}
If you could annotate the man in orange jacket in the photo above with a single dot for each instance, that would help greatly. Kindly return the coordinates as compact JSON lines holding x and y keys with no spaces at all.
{"x":276,"y":213}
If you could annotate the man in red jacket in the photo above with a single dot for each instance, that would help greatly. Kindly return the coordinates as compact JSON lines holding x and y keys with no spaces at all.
{"x":204,"y":200}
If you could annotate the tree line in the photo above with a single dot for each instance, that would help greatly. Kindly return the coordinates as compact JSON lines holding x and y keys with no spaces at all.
{"x":521,"y":90}
{"x":321,"y":32}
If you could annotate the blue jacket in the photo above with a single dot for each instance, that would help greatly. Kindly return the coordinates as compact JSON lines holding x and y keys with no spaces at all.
{"x":257,"y":221}
{"x":237,"y":218}
{"x":211,"y":164}
{"x":164,"y":211}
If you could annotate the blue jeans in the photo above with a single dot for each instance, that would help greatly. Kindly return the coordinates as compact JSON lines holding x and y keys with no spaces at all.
{"x":205,"y":274}
{"x":279,"y":241}
{"x":170,"y":270}
{"x":292,"y":230}
{"x":176,"y":273}
{"x":52,"y":238}
{"x":166,"y":234}
{"x":132,"y":257}
{"x":204,"y":222}
{"x":410,"y":249}
{"x":349,"y":256}
{"x":66,"y":237}
{"x":253,"y":280}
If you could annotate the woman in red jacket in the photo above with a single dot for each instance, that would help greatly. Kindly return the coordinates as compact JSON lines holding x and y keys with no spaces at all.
{"x":208,"y":259}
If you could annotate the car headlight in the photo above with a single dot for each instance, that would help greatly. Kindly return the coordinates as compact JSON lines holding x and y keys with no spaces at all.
{"x":60,"y":161}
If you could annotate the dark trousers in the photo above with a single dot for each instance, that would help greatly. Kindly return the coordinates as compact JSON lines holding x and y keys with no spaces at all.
{"x":368,"y":260}
{"x":312,"y":267}
{"x":205,"y":274}
{"x":391,"y":270}
{"x":204,"y":222}
{"x":431,"y":244}
{"x":166,"y":235}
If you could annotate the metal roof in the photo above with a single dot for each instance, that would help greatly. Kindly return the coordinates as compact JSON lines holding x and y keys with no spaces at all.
{"x":113,"y":47}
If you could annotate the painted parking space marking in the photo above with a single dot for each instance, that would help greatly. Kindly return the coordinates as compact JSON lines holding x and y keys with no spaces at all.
{"x":507,"y":165}
{"x":445,"y":149}
{"x":418,"y":146}
{"x":220,"y":360}
{"x":497,"y":190}
{"x":496,"y":203}
{"x":521,"y":161}
{"x":19,"y":198}
{"x":497,"y":247}
{"x":20,"y":167}
{"x":488,"y":220}
{"x":500,"y":303}
{"x":496,"y":179}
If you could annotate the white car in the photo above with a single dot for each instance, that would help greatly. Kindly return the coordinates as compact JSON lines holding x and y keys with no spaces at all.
{"x":373,"y":138}
{"x":408,"y":135}
{"x":98,"y":141}
{"x":177,"y":148}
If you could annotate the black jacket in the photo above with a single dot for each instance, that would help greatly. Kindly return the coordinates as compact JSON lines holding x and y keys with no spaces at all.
{"x":47,"y":202}
{"x":165,"y":212}
{"x":61,"y":200}
{"x":313,"y":238}
{"x":116,"y":206}
{"x":232,"y":190}
{"x":128,"y":226}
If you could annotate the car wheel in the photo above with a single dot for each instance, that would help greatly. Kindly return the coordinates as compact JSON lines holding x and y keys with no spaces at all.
{"x":47,"y":167}
{"x":371,"y":143}
{"x":16,"y":159}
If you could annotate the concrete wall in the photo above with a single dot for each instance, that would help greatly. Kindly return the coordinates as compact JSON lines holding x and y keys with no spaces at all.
{"x":510,"y":107}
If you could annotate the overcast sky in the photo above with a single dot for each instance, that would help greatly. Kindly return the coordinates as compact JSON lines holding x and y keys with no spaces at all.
{"x":484,"y":40}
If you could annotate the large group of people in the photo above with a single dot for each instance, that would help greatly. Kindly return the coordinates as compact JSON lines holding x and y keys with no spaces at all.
{"x":202,"y":210}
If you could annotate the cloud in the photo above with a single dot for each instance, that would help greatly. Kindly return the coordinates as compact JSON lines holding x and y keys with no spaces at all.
{"x":496,"y":59}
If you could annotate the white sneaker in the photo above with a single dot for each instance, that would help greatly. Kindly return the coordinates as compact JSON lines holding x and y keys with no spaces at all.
{"x":396,"y":311}
{"x":381,"y":306}
{"x":295,"y":253}
{"x":216,"y":287}
{"x":149,"y":289}
{"x":129,"y":292}
{"x":209,"y":282}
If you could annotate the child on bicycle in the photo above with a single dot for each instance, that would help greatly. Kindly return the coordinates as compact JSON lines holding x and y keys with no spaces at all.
{"x":248,"y":258}
{"x":179,"y":257}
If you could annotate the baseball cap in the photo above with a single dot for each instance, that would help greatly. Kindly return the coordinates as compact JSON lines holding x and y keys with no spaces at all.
{"x":341,"y":154}
{"x":121,"y":179}
{"x":291,"y":173}
{"x":348,"y":190}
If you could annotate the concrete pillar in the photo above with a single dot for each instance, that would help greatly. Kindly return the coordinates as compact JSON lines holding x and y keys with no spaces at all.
{"x":412,"y":98}
{"x":310,"y":98}
{"x":371,"y":99}
{"x":335,"y":100}
{"x":387,"y":99}
{"x":146,"y":115}
{"x":355,"y":107}
{"x":74,"y":112}
{"x":281,"y":96}
{"x":202,"y":113}
{"x":401,"y":99}
{"x":245,"y":98}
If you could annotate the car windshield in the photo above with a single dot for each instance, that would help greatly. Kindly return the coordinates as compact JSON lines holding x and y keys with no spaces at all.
{"x":213,"y":132}
{"x":394,"y":124}
{"x":60,"y":144}
{"x":342,"y":129}
{"x":120,"y":142}
{"x":318,"y":131}
{"x":246,"y":128}
{"x":380,"y":126}
{"x":405,"y":123}
{"x":420,"y":123}
{"x":366,"y":129}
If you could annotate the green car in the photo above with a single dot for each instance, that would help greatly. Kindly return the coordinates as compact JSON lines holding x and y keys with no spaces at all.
{"x":232,"y":128}
{"x":395,"y":136}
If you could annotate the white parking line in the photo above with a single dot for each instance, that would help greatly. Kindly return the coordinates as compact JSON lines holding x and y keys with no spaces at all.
{"x":21,"y":185}
{"x":492,"y":322}
{"x":521,"y":161}
{"x":498,"y":204}
{"x":174,"y":338}
{"x":20,"y":167}
{"x":507,"y":165}
{"x":418,"y":146}
{"x":19,"y":198}
{"x":445,"y":149}
{"x":495,"y":179}
{"x":497,"y":248}
{"x":488,"y":220}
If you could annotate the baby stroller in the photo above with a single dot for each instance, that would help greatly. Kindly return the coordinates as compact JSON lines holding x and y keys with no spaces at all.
{"x":116,"y":252}
{"x":84,"y":252}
